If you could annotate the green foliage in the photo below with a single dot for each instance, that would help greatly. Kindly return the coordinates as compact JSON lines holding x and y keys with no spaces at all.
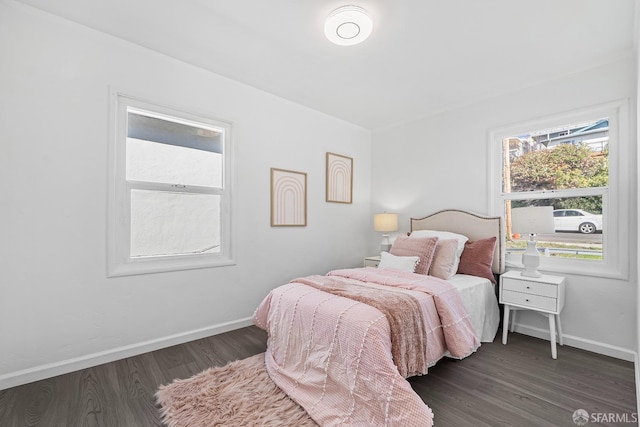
{"x":566,"y":166}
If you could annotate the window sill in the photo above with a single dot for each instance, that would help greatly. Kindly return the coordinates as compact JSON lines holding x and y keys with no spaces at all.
{"x":150,"y":266}
{"x":572,"y":267}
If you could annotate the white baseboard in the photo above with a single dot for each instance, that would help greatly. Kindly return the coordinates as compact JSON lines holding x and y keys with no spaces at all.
{"x":41,"y":372}
{"x":49,"y":370}
{"x":582,"y":343}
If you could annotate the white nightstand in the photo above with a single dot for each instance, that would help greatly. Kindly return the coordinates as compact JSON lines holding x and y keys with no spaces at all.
{"x":372,"y":261}
{"x":544,"y":295}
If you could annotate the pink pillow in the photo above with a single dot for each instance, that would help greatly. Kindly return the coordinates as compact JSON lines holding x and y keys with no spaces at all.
{"x":423,"y":247}
{"x":477,"y":257}
{"x":445,"y":259}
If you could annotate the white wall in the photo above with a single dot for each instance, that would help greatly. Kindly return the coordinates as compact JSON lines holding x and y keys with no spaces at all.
{"x":441,"y":162}
{"x":58,"y":311}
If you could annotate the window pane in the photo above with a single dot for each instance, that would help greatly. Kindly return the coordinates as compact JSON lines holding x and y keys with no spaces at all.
{"x":170,"y":164}
{"x":566,"y":157}
{"x":172,"y":151}
{"x":578,"y":228}
{"x":167,"y":223}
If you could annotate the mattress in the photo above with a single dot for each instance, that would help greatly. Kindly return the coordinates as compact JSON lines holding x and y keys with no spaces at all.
{"x":479,"y":298}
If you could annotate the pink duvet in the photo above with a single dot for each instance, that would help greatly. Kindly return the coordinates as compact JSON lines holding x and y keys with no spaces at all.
{"x":332,"y":355}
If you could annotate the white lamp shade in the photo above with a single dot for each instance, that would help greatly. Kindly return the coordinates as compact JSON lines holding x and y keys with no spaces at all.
{"x":385,"y":222}
{"x":532,"y":220}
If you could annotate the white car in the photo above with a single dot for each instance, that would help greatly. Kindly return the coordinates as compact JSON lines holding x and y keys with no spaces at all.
{"x":577,"y":220}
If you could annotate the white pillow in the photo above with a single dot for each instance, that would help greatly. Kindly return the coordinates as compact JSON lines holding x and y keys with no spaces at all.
{"x":444,"y":235}
{"x":402,"y":263}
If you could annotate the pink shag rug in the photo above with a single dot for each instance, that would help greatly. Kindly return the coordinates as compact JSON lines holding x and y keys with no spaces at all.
{"x":238,"y":394}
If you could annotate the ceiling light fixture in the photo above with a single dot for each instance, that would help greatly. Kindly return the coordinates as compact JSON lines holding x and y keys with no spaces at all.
{"x":348,"y":25}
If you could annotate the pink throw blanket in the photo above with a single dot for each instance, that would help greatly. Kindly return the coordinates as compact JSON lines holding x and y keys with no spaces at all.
{"x":406,"y":324}
{"x":459,"y":334}
{"x":332,"y":355}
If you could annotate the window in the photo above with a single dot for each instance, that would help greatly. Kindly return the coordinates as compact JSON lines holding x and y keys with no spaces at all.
{"x":170,"y":187}
{"x":572,"y":163}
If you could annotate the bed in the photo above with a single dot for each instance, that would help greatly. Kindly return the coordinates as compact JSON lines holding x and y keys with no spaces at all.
{"x":342,"y":344}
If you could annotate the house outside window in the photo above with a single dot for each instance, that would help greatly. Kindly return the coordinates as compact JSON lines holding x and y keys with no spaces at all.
{"x":573,"y":163}
{"x":170,"y":190}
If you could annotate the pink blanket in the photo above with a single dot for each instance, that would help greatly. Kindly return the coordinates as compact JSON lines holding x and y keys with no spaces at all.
{"x":332,"y":355}
{"x":460,"y":337}
{"x":402,"y":311}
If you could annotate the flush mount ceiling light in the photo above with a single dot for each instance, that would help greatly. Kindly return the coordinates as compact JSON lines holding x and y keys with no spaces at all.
{"x":348,"y":25}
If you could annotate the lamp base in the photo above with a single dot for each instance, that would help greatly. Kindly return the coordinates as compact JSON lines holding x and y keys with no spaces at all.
{"x":534,"y":273}
{"x":385,"y":246}
{"x":531,"y":260}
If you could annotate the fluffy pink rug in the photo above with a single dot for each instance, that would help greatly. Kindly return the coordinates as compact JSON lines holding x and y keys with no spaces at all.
{"x":238,"y":394}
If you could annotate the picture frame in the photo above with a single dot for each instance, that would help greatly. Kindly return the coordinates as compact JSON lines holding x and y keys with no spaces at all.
{"x":339,"y":178}
{"x":288,"y":198}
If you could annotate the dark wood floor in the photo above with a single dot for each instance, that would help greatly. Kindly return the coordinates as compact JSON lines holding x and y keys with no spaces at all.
{"x":513,"y":385}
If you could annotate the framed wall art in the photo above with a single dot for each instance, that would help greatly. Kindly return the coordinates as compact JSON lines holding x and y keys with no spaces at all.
{"x":339,"y":178}
{"x":288,"y":198}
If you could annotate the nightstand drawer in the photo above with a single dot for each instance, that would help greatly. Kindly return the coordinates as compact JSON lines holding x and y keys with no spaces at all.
{"x":529,"y":300}
{"x":372,"y":261}
{"x":529,"y":287}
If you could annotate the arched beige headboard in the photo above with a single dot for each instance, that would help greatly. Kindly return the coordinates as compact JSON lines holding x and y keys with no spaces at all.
{"x":468,"y":224}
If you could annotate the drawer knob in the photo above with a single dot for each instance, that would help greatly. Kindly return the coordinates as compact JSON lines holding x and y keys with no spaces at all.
{"x":527,"y":300}
{"x":528,"y":287}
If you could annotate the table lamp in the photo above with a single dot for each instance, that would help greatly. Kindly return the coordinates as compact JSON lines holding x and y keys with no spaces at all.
{"x":532,"y":220}
{"x":385,"y":223}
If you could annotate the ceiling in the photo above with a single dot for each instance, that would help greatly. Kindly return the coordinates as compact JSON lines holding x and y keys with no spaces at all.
{"x":423,"y":57}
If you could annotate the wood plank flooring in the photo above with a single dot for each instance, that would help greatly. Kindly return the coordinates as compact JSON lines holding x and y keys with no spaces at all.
{"x":513,"y":385}
{"x":519,"y":384}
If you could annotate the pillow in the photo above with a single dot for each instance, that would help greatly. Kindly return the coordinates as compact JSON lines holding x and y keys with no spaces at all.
{"x":423,"y":247}
{"x":444,"y":235}
{"x":445,"y":259}
{"x":477,"y":258}
{"x":403,"y":263}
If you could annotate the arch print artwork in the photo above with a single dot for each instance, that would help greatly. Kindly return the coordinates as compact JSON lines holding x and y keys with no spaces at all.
{"x":288,"y":198}
{"x":339,"y":178}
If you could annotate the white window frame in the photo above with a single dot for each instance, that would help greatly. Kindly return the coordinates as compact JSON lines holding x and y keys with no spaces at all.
{"x":119,"y":261}
{"x":615,"y":200}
